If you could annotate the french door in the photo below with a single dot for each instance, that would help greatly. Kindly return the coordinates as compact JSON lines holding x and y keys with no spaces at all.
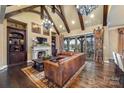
{"x":81,"y":44}
{"x":89,"y":47}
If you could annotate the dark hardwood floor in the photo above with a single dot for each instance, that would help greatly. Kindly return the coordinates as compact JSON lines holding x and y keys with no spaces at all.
{"x":96,"y":75}
{"x":93,"y":75}
{"x":13,"y":77}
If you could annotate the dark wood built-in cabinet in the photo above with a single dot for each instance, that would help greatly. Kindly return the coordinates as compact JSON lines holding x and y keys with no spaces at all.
{"x":16,"y":41}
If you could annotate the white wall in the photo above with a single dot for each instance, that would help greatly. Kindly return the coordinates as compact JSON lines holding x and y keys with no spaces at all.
{"x":115,"y":20}
{"x":106,"y":45}
{"x":113,"y":33}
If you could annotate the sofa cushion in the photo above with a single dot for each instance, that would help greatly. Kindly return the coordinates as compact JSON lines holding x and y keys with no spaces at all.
{"x":66,"y":53}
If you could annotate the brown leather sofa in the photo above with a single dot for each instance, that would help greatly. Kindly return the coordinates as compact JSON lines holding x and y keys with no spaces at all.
{"x":60,"y":72}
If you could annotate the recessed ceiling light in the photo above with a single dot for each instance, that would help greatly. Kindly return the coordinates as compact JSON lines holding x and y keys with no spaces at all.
{"x":60,"y":26}
{"x":92,"y":15}
{"x":73,"y":22}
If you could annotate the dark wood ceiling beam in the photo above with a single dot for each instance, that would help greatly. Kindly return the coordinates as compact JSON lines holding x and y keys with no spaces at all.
{"x":105,"y":13}
{"x":9,"y":5}
{"x":42,"y":11}
{"x":81,"y":21}
{"x":53,"y":8}
{"x":13,"y":13}
{"x":61,"y":15}
{"x":51,"y":20}
{"x":59,"y":6}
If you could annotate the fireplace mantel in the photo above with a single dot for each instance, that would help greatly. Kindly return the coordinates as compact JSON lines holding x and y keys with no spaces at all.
{"x":37,"y":48}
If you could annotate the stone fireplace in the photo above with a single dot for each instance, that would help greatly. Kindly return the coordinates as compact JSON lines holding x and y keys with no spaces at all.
{"x":40,"y":51}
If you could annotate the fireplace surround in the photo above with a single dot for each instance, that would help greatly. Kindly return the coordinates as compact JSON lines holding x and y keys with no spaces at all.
{"x":45,"y":50}
{"x":38,"y":53}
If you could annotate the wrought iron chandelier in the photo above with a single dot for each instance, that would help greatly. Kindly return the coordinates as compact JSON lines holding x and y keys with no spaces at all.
{"x":47,"y":24}
{"x":86,"y":9}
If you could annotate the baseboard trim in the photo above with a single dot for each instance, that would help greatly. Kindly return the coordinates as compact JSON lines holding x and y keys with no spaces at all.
{"x":3,"y":67}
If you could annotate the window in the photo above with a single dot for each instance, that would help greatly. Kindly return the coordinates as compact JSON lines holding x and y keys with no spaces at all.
{"x":80,"y":44}
{"x":72,"y":45}
{"x":65,"y":45}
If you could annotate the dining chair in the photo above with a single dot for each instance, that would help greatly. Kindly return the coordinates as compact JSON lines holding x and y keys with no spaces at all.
{"x":121,"y":66}
{"x":120,"y":62}
{"x":116,"y":75}
{"x":115,"y":58}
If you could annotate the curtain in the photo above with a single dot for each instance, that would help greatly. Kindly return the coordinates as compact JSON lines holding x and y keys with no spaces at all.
{"x":121,"y":40}
{"x":60,"y":42}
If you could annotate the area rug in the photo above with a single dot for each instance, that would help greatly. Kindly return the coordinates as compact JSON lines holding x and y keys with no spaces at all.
{"x":38,"y":78}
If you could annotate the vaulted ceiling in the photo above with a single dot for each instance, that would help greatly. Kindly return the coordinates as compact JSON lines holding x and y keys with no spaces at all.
{"x":65,"y":18}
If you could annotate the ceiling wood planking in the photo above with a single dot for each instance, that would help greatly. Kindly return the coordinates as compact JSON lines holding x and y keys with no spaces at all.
{"x":65,"y":21}
{"x":51,"y":20}
{"x":13,"y":13}
{"x":34,"y":11}
{"x":61,"y":15}
{"x":105,"y":13}
{"x":81,"y":20}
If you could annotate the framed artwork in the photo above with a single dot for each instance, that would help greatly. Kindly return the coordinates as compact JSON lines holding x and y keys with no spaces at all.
{"x":36,"y":28}
{"x":46,"y":32}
